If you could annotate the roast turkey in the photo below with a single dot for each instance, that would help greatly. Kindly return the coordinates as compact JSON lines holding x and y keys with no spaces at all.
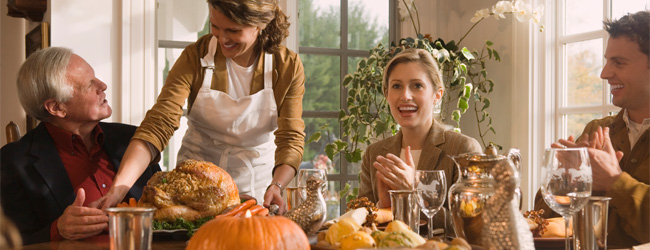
{"x":195,"y":189}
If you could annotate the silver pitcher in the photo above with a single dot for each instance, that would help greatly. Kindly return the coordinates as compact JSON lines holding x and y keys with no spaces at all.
{"x":468,"y":196}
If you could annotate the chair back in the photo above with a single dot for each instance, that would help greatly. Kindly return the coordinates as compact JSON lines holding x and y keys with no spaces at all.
{"x":13,"y":132}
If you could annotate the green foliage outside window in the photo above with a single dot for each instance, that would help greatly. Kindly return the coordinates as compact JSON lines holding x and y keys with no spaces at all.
{"x":320,"y":28}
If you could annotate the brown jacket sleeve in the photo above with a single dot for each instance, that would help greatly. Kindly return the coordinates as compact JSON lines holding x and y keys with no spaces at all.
{"x":164,"y":117}
{"x":289,"y":90}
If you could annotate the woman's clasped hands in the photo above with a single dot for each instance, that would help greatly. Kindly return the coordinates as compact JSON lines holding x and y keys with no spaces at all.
{"x":393,"y":174}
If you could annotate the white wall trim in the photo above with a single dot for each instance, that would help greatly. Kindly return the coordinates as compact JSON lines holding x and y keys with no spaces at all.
{"x":533,"y":109}
{"x":290,"y":8}
{"x":138,"y":60}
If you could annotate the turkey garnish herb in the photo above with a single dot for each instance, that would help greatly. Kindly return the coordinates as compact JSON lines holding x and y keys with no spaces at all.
{"x":181,"y":223}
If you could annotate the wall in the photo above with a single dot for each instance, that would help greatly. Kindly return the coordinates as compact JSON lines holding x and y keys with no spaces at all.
{"x":92,"y":33}
{"x":513,"y":40}
{"x":12,"y":51}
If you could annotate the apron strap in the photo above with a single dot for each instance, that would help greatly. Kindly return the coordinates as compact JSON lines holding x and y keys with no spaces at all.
{"x":268,"y":71}
{"x":246,"y":156}
{"x":207,"y":63}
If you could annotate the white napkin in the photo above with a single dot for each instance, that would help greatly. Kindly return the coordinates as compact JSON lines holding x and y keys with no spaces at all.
{"x":357,"y":215}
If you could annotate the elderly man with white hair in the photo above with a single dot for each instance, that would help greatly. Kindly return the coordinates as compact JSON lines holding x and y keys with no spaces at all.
{"x":52,"y":174}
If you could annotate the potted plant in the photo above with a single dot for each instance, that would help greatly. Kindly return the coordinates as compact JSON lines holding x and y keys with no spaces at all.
{"x":464,"y":74}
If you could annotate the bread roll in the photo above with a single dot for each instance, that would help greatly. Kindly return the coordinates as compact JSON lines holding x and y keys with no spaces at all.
{"x":555,"y":228}
{"x":384,"y":215}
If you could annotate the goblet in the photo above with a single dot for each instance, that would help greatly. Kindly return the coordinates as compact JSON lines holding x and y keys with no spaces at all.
{"x":566,"y":187}
{"x":431,"y":186}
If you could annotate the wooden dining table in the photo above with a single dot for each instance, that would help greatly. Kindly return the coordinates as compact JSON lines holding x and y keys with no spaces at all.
{"x":102,"y":242}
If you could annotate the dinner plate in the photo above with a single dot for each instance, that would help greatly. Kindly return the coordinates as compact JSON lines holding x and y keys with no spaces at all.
{"x":176,"y":234}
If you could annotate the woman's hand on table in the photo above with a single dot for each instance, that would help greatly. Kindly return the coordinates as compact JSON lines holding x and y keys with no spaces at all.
{"x":395,"y":173}
{"x":283,"y":175}
{"x":78,"y":222}
{"x":272,"y":196}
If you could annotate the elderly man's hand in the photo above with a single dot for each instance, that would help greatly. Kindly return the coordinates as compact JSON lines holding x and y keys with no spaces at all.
{"x":78,"y":222}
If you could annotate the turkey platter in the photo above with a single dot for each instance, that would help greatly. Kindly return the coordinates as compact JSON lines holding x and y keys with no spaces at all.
{"x":194,"y":190}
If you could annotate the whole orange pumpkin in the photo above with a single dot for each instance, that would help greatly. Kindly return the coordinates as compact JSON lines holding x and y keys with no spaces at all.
{"x":257,"y":232}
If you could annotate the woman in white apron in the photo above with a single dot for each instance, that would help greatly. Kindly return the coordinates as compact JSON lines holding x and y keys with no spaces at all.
{"x":244,"y":92}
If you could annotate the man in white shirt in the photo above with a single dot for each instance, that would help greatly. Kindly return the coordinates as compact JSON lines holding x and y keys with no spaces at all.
{"x":619,"y":146}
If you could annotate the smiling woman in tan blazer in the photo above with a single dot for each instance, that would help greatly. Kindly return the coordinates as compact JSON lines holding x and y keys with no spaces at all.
{"x":412,"y":86}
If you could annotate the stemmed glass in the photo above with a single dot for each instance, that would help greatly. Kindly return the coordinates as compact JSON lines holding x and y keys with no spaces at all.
{"x":431,"y":187}
{"x":566,"y":187}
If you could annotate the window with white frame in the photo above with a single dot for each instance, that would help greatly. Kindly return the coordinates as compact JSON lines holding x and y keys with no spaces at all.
{"x":581,"y":41}
{"x":333,"y":36}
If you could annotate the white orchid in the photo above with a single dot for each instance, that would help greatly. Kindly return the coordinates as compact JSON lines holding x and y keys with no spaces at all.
{"x":537,"y":13}
{"x":480,"y":15}
{"x":522,"y":11}
{"x":501,"y":8}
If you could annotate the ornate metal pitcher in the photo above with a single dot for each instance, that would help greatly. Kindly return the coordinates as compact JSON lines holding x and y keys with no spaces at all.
{"x":469,"y":195}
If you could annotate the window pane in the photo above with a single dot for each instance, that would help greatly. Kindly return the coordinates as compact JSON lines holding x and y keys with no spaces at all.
{"x":584,"y":63}
{"x":578,"y":20}
{"x":319,"y":23}
{"x":575,"y":123}
{"x":168,"y":156}
{"x":354,"y":168}
{"x":621,"y":8}
{"x":322,"y":82}
{"x":333,"y":200}
{"x":367,"y":23}
{"x":352,"y":64}
{"x":314,"y":154}
{"x":182,"y":20}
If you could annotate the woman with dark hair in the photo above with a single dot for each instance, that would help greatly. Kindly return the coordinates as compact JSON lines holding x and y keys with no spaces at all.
{"x":244,"y":92}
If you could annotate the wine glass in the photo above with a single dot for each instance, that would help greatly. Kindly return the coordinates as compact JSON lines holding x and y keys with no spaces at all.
{"x":566,"y":187}
{"x":431,"y":187}
{"x":304,"y":174}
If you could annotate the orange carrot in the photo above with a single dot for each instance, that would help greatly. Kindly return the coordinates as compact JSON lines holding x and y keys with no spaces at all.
{"x":263,"y":212}
{"x":242,"y":207}
{"x":255,"y":209}
{"x":132,"y":202}
{"x":242,"y":213}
